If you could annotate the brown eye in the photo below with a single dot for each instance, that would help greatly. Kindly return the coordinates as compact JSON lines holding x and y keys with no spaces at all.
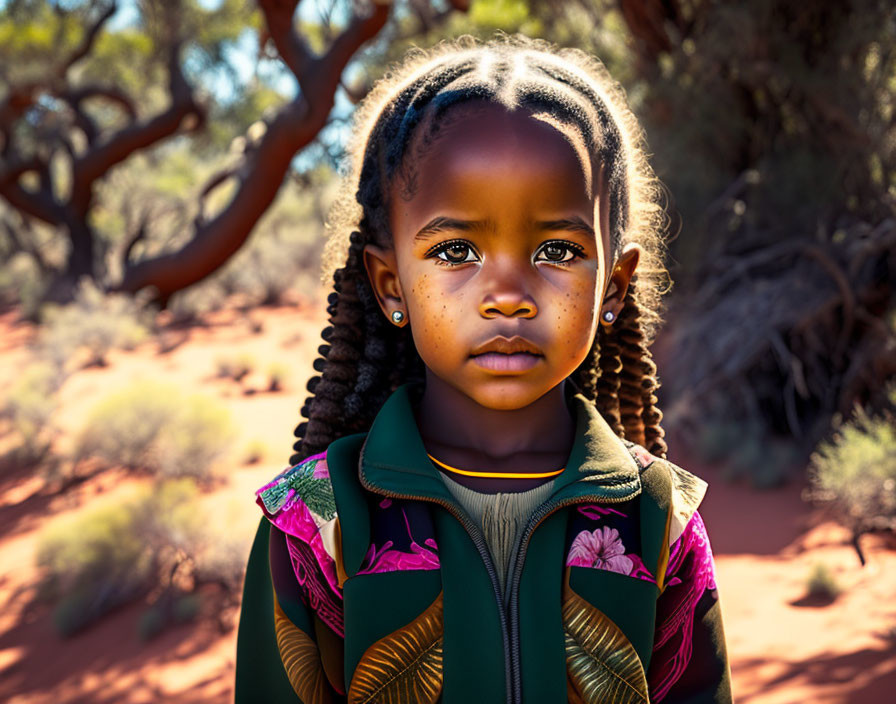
{"x":557,"y":252}
{"x":455,"y":252}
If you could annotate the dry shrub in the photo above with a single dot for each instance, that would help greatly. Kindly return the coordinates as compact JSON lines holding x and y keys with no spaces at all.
{"x":29,"y":406}
{"x":83,"y":332}
{"x":854,"y":473}
{"x":156,"y":427}
{"x":116,"y":554}
{"x":155,"y":547}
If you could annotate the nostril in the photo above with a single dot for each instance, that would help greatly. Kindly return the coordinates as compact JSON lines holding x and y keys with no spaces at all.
{"x":511,"y":308}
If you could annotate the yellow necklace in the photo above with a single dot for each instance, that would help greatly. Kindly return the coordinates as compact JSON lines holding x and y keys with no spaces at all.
{"x":497,"y":475}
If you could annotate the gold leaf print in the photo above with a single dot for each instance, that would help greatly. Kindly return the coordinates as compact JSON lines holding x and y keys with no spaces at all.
{"x":602,"y":665}
{"x":405,"y":666}
{"x":301,"y":659}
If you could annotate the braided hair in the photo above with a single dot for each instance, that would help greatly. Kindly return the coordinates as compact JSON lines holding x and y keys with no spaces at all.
{"x":364,"y":358}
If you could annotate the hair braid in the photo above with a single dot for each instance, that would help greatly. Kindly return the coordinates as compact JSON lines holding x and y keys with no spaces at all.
{"x":628,"y":333}
{"x":637,"y":398}
{"x":609,"y":365}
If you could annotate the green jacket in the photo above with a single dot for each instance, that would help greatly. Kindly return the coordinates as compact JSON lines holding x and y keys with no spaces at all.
{"x":367,"y":582}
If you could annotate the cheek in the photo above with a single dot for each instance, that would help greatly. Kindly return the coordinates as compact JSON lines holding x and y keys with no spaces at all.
{"x":433,"y":313}
{"x":576,"y":315}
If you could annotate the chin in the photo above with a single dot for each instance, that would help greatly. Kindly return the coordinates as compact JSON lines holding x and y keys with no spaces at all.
{"x":507,"y":395}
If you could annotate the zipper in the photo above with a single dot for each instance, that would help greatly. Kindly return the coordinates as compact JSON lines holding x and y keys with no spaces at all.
{"x":516,"y":565}
{"x":509,"y":634}
{"x":479,"y":541}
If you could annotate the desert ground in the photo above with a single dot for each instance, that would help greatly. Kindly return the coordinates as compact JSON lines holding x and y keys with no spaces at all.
{"x":784,"y":648}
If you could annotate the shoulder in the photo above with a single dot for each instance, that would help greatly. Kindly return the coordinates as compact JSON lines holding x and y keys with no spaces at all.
{"x":306,"y":484}
{"x":675,"y":489}
{"x":300,"y":503}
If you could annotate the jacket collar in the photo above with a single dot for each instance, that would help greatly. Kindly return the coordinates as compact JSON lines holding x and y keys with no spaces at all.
{"x":394,"y":461}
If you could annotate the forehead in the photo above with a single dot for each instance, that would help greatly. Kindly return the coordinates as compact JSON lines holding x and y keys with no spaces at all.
{"x":480,"y":148}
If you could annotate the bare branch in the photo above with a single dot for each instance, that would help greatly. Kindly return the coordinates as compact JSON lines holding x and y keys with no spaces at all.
{"x":278,"y":15}
{"x":86,"y":41}
{"x":213,"y":183}
{"x":218,"y":239}
{"x":37,"y":204}
{"x":77,"y":95}
{"x":266,"y":164}
{"x":119,"y":146}
{"x":10,"y":172}
{"x":85,"y":123}
{"x":138,"y":235}
{"x":329,"y":68}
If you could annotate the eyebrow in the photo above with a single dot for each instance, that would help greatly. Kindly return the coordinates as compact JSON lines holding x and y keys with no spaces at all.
{"x":440,"y":224}
{"x":573,"y":224}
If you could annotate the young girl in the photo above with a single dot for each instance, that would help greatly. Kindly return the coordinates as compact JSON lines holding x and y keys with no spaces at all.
{"x":479,"y":507}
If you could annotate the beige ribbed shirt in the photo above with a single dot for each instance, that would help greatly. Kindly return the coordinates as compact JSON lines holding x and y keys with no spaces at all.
{"x":501,"y":516}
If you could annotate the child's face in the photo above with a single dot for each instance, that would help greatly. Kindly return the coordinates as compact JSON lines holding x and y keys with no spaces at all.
{"x":499,"y":258}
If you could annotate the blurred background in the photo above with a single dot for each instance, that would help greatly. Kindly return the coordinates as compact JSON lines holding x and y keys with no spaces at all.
{"x":166,"y":167}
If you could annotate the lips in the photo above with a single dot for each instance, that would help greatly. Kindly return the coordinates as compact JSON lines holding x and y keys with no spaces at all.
{"x":507,"y":345}
{"x":502,"y":354}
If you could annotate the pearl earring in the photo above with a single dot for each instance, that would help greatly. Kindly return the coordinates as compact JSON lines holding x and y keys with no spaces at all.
{"x":608,"y":316}
{"x":397,"y":317}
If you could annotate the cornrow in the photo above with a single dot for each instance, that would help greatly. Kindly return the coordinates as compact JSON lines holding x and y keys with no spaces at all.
{"x":364,"y":357}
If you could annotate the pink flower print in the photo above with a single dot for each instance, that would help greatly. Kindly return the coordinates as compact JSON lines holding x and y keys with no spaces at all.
{"x":387,"y":560}
{"x":601,"y":549}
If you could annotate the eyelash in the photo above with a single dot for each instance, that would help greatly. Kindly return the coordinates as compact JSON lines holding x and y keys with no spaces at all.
{"x":444,"y":246}
{"x":577,"y":251}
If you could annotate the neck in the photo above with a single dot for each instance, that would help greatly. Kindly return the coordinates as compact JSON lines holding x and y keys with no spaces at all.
{"x":464,"y":434}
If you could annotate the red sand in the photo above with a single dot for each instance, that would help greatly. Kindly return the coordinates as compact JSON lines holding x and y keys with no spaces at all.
{"x":765,"y":543}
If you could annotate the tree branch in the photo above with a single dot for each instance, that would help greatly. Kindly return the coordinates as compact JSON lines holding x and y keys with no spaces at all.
{"x":216,"y":240}
{"x":328,"y":69}
{"x":278,"y":16}
{"x":10,"y":172}
{"x":34,"y":203}
{"x":76,"y":96}
{"x":138,"y":235}
{"x":86,"y":41}
{"x":261,"y":175}
{"x":119,"y":146}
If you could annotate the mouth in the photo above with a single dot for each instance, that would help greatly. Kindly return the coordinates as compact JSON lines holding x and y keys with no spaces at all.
{"x":502,"y":354}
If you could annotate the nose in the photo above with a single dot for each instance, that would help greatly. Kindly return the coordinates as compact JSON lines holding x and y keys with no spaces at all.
{"x":508,"y":298}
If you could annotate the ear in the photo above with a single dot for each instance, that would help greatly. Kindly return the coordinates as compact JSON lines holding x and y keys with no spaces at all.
{"x":617,"y":286}
{"x":382,"y":271}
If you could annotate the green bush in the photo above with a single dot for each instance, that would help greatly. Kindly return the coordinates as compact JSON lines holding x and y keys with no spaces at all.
{"x":113,"y":555}
{"x":822,"y":584}
{"x":194,"y":438}
{"x":855,"y":472}
{"x":123,"y":428}
{"x":95,"y":323}
{"x":155,"y":427}
{"x":29,"y":405}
